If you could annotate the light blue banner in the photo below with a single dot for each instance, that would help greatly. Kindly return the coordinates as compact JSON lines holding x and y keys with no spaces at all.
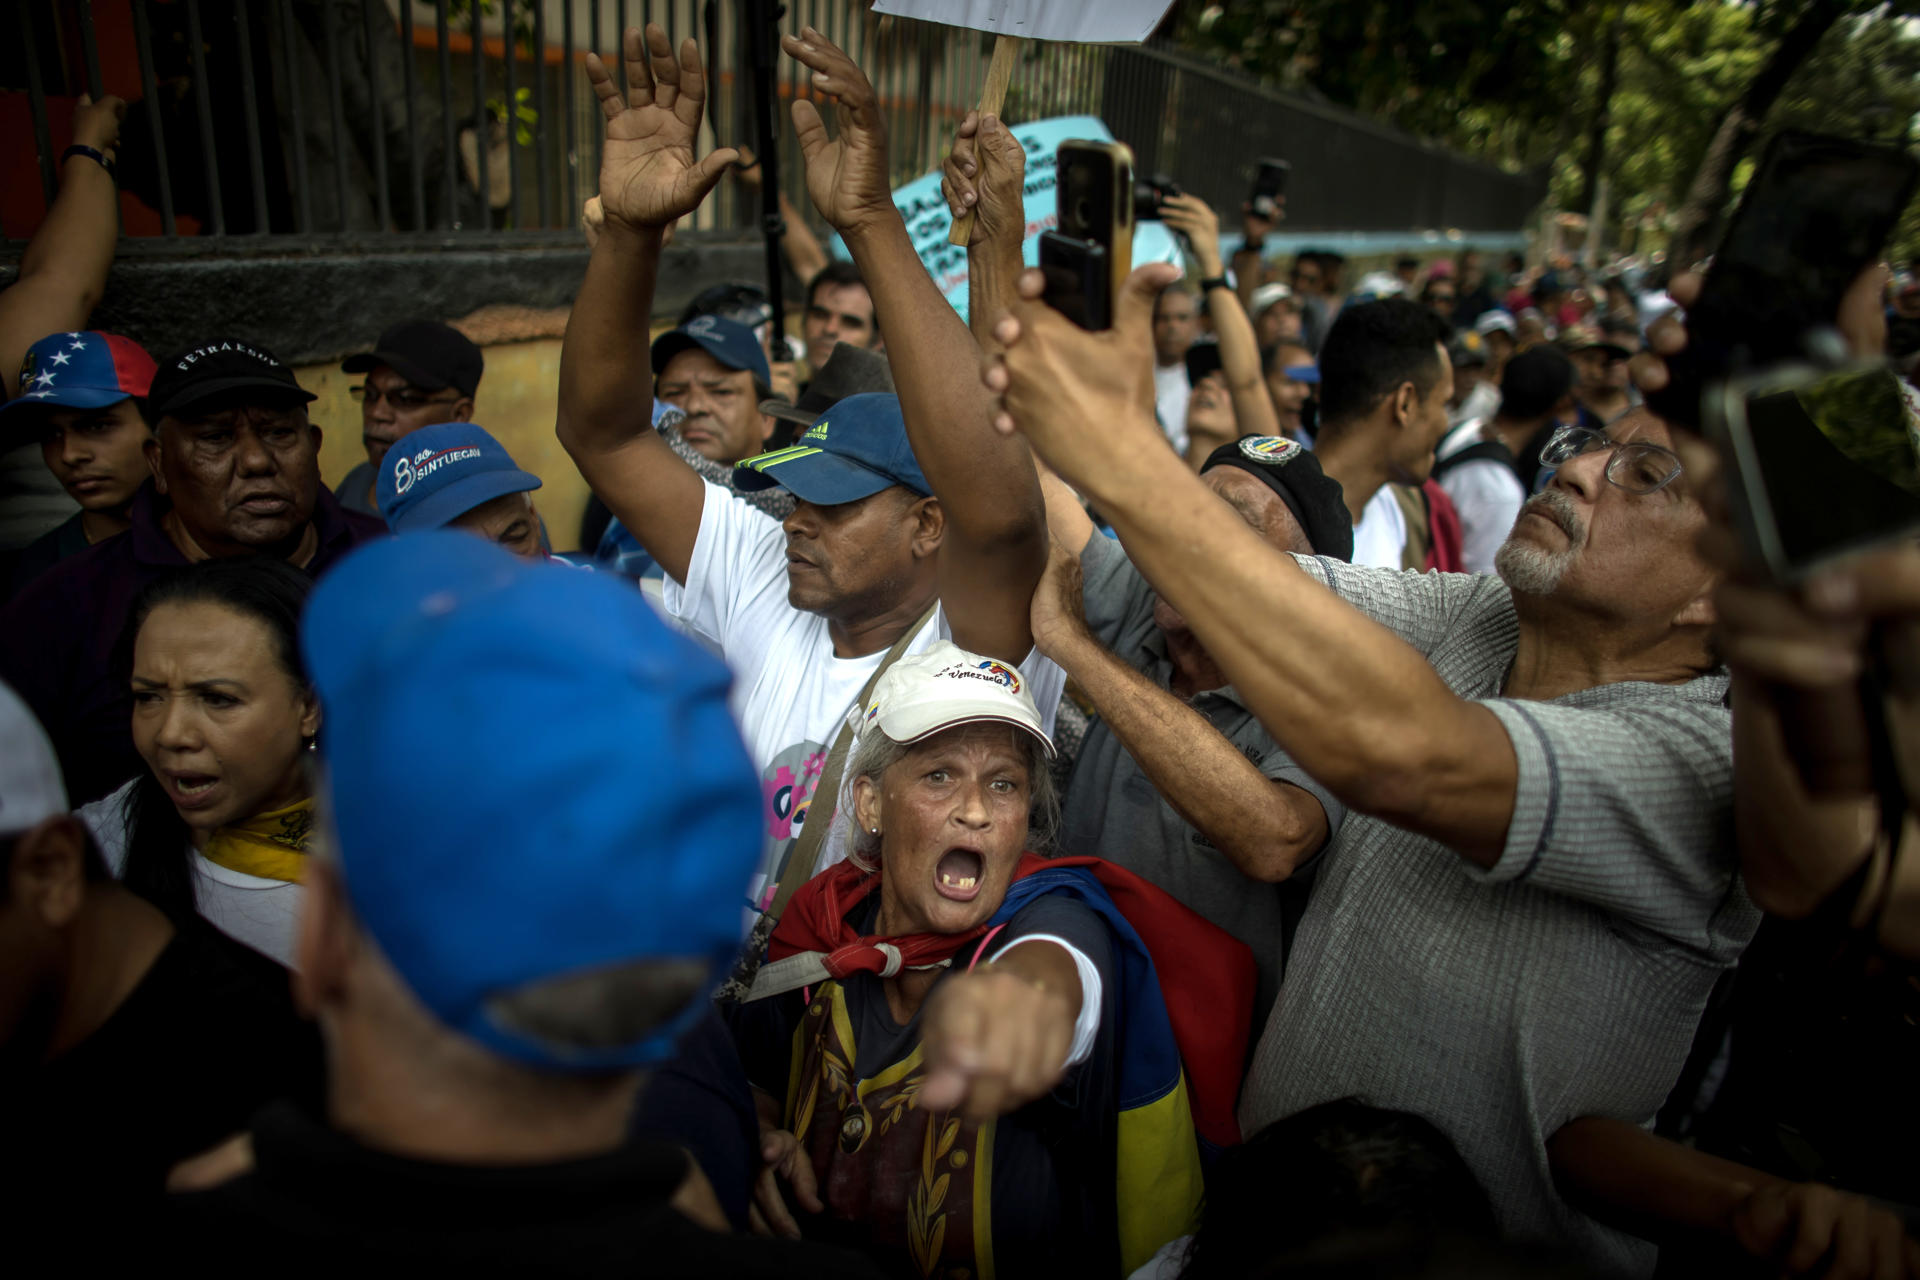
{"x":928,"y":221}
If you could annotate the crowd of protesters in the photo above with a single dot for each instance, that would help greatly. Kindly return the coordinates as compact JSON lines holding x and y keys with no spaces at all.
{"x":1299,"y":782}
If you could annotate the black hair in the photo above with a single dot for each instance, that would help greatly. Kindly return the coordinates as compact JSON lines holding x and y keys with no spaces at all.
{"x":1335,"y":1170}
{"x":266,"y":589}
{"x":1372,"y":348}
{"x":1534,"y":381}
{"x":1405,"y":262}
{"x":1620,"y":325}
{"x":841,"y":274}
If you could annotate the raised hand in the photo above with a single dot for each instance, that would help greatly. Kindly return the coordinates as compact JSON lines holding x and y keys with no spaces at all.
{"x":847,"y":176}
{"x":648,"y":174}
{"x":986,"y":175}
{"x":1192,"y":218}
{"x":1068,"y":390}
{"x":97,"y":124}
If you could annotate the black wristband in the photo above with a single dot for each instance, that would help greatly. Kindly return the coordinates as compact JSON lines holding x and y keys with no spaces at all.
{"x":1213,"y":282}
{"x":1251,"y":246}
{"x":81,"y":149}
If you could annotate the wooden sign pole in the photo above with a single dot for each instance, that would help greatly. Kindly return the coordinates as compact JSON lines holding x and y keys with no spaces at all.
{"x":992,"y":94}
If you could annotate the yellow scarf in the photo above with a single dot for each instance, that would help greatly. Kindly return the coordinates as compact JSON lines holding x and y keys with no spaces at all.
{"x":270,"y":845}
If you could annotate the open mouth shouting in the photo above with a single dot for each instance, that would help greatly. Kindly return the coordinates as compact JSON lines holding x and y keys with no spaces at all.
{"x":958,"y":874}
{"x":190,"y":790}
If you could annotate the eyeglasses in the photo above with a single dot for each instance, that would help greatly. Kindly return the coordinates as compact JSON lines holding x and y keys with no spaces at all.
{"x":1638,"y":466}
{"x":403,"y":399}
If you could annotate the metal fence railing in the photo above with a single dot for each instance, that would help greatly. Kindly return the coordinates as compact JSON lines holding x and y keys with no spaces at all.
{"x":316,"y":118}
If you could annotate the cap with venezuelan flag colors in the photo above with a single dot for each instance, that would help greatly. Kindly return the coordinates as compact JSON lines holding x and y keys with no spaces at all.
{"x":83,"y":370}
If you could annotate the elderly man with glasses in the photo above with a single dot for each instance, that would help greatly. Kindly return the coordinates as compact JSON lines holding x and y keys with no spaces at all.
{"x":1535,"y":889}
{"x":419,"y":373}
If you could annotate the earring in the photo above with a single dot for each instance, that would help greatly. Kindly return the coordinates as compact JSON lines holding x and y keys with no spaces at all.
{"x":875,"y":830}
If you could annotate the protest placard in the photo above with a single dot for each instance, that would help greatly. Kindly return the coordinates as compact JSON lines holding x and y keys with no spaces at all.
{"x":1081,"y":21}
{"x":928,"y":220}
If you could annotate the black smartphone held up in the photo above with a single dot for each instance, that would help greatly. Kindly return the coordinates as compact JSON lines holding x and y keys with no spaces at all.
{"x":1817,"y":211}
{"x":1269,"y":188}
{"x":1820,"y":463}
{"x":1087,"y":257}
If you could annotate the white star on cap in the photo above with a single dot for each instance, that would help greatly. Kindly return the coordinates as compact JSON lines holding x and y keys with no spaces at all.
{"x":59,"y":357}
{"x":45,"y":379}
{"x":38,"y":395}
{"x":77,"y":333}
{"x":78,"y":345}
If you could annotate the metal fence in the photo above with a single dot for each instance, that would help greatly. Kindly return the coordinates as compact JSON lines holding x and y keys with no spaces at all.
{"x":255,"y":120}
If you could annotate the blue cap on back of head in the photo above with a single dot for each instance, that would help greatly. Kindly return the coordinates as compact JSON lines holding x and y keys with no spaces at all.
{"x":857,"y":448}
{"x":530,"y":777}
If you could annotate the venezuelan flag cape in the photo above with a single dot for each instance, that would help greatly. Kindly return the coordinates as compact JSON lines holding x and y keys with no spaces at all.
{"x":1185,"y":992}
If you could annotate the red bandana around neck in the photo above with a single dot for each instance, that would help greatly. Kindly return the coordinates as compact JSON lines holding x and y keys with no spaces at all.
{"x":816,"y":920}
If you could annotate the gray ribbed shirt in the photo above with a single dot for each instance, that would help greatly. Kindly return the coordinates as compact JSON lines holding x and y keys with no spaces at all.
{"x":1565,"y":981}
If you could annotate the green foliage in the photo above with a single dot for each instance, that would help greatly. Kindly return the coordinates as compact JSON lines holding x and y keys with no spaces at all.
{"x":1517,"y":83}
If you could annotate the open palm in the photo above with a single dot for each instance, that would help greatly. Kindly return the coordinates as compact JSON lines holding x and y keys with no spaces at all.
{"x":648,"y":173}
{"x":847,"y":176}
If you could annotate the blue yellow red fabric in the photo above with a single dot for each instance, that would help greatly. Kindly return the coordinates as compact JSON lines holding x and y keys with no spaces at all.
{"x":1184,"y":999}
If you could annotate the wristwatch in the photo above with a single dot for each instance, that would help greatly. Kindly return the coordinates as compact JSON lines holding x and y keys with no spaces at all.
{"x":1213,"y":282}
{"x":91,"y":153}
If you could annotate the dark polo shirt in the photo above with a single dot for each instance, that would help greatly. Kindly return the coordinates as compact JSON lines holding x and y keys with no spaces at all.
{"x":61,"y":644}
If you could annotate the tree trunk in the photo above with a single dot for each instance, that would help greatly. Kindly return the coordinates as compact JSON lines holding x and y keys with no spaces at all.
{"x":1697,"y":225}
{"x":1602,"y":111}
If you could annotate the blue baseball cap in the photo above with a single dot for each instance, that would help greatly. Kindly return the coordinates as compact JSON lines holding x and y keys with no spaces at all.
{"x":434,"y":475}
{"x":728,"y":341}
{"x":1302,"y":373}
{"x":857,"y":448}
{"x":87,"y":369}
{"x":529,"y":776}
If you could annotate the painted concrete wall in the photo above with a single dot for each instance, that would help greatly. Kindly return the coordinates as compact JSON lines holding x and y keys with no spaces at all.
{"x":516,"y":403}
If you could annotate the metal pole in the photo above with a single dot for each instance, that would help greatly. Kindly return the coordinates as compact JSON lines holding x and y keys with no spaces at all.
{"x":204,"y":104}
{"x":143,"y":42}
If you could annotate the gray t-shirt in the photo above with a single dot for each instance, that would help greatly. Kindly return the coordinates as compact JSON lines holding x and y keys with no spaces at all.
{"x":1112,"y":811}
{"x":1565,"y":981}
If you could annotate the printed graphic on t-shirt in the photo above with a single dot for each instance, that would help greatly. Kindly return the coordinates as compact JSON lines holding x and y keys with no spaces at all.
{"x":788,"y":785}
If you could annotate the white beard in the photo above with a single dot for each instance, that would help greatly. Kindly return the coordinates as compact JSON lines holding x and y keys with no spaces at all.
{"x":1530,"y":570}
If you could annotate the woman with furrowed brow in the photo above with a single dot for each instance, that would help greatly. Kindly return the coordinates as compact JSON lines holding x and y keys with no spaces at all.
{"x":220,"y":820}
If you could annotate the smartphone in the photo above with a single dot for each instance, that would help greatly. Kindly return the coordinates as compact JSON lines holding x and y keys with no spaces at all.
{"x":1817,"y":211}
{"x":1150,"y":196}
{"x":1820,"y":463}
{"x":1269,"y":188}
{"x":1087,"y":257}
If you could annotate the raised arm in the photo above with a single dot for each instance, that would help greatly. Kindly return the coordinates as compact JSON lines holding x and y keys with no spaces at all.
{"x":64,"y":269}
{"x":996,"y":539}
{"x":1239,"y":348}
{"x":648,"y":177}
{"x":1789,"y":651}
{"x":1265,"y":827}
{"x":1356,"y":706}
{"x":985,"y":175}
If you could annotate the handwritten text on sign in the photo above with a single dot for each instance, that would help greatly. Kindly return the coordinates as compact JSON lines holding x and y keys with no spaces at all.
{"x":928,"y":221}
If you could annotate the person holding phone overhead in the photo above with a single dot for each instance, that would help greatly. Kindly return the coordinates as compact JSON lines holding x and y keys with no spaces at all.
{"x":1534,"y":868}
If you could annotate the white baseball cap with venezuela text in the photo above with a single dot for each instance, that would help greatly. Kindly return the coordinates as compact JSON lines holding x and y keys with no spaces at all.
{"x":944,"y":686}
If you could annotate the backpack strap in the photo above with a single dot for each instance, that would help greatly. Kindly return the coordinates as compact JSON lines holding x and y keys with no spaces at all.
{"x":1489,"y":450}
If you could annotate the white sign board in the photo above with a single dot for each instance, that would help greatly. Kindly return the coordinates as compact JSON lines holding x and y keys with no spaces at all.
{"x":1079,"y":21}
{"x":928,"y":220}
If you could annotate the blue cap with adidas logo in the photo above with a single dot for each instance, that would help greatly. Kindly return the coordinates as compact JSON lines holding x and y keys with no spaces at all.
{"x":856,"y":449}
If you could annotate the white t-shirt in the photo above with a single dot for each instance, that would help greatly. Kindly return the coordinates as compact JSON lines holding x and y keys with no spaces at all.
{"x":1487,"y":494}
{"x":791,"y":693}
{"x":1170,"y":392}
{"x":1380,"y":539}
{"x":262,"y":913}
